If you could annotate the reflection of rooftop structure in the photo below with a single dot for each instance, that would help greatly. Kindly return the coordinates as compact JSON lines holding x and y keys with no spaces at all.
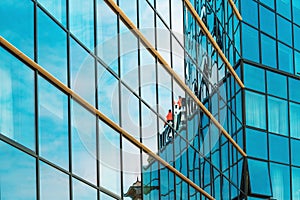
{"x":135,"y":191}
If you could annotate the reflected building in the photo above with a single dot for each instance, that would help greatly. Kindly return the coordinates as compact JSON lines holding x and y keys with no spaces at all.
{"x":85,"y":87}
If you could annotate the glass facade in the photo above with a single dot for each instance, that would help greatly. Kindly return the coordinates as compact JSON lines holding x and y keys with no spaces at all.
{"x":149,"y":99}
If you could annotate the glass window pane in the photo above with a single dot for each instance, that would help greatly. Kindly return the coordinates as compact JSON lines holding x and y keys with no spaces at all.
{"x":149,"y":128}
{"x":297,"y":36}
{"x":284,"y":29}
{"x":297,"y":63}
{"x":294,"y":120}
{"x":295,"y":149}
{"x":82,"y":191}
{"x":17,"y":100}
{"x":255,"y":110}
{"x":278,"y":116}
{"x":250,"y":43}
{"x":269,"y":3}
{"x":108,"y":94}
{"x":280,"y":176}
{"x":53,"y":183}
{"x":276,"y":84}
{"x":16,"y":24}
{"x":17,"y":174}
{"x":285,"y":58}
{"x":249,"y":12}
{"x":296,"y":183}
{"x":163,"y":9}
{"x":268,"y":51}
{"x":279,"y":148}
{"x":254,"y":78}
{"x":110,"y":167}
{"x":294,"y":86}
{"x":82,"y":21}
{"x":82,"y":67}
{"x":53,"y":124}
{"x":267,"y":21}
{"x":52,"y":47}
{"x":129,"y":9}
{"x":259,"y":177}
{"x":107,"y":35}
{"x":57,"y":8}
{"x":284,"y":7}
{"x":84,"y":159}
{"x":256,"y":144}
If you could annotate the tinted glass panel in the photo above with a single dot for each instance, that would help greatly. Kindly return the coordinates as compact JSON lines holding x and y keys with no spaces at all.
{"x":296,"y":183}
{"x":82,"y":21}
{"x":297,"y":63}
{"x":84,"y":143}
{"x":81,"y":191}
{"x":278,"y":116}
{"x":53,"y":183}
{"x":16,"y":24}
{"x":250,"y":43}
{"x":110,"y":167}
{"x":294,"y":120}
{"x":268,"y":51}
{"x":269,"y":3}
{"x":280,"y":176}
{"x":259,"y":177}
{"x":294,"y":85}
{"x":279,"y":148}
{"x":249,"y":12}
{"x":255,"y":110}
{"x":284,"y":7}
{"x":256,"y":143}
{"x":17,"y":100}
{"x":17,"y":174}
{"x":295,"y":149}
{"x":297,"y":36}
{"x":276,"y":84}
{"x":254,"y":78}
{"x":267,"y":21}
{"x":52,"y":47}
{"x":53,"y":124}
{"x":285,"y":58}
{"x":57,"y":8}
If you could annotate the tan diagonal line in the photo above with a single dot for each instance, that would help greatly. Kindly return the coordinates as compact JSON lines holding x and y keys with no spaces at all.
{"x":213,"y":42}
{"x":75,"y":96}
{"x":171,"y":71}
{"x":235,"y":10}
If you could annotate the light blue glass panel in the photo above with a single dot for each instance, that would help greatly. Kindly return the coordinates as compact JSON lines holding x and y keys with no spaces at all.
{"x":295,"y":149}
{"x":285,"y":58}
{"x":297,"y":63}
{"x":108,"y":94}
{"x":250,"y":43}
{"x":57,"y":8}
{"x":294,"y":85}
{"x":16,"y":24}
{"x":278,"y":116}
{"x":284,"y":8}
{"x":296,"y":11}
{"x":104,"y":196}
{"x":163,"y":8}
{"x":109,"y":152}
{"x":17,"y":174}
{"x":17,"y":100}
{"x":82,"y":68}
{"x":52,"y":47}
{"x":107,"y":35}
{"x":255,"y":110}
{"x":249,"y":12}
{"x":284,"y":29}
{"x":276,"y":84}
{"x":279,"y":148}
{"x":84,"y":159}
{"x":267,"y":21}
{"x":81,"y":15}
{"x":81,"y":191}
{"x":280,"y":177}
{"x":130,"y":9}
{"x":294,"y":120}
{"x":53,"y":183}
{"x":268,"y":51}
{"x":296,"y":183}
{"x":269,"y":3}
{"x":53,"y":124}
{"x":256,"y":144}
{"x":254,"y":78}
{"x":297,"y":36}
